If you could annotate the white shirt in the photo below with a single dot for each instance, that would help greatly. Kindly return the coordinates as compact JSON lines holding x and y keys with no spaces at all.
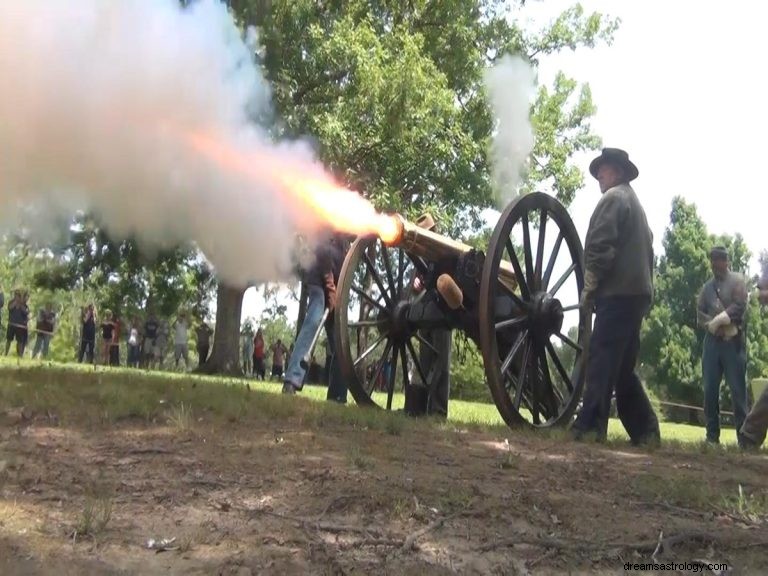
{"x":180,"y":334}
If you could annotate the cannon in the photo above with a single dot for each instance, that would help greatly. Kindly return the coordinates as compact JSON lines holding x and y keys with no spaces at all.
{"x":517,"y":300}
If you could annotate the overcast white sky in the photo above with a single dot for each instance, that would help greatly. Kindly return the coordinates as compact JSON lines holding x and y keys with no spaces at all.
{"x":683,"y":90}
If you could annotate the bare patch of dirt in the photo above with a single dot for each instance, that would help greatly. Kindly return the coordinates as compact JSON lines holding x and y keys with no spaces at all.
{"x":242,"y":498}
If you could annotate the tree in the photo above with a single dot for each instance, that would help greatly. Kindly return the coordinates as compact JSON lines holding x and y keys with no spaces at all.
{"x":129,"y":279}
{"x":85,"y":265}
{"x":391,"y":93}
{"x":225,"y":355}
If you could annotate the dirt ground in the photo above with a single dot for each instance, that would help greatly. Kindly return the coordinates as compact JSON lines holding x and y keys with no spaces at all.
{"x":249,"y":497}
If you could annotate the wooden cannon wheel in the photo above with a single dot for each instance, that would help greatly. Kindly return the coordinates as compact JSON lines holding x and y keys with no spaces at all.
{"x":535,"y":370}
{"x":377,"y":352}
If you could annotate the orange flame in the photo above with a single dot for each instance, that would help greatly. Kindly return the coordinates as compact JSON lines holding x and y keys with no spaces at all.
{"x":339,"y":207}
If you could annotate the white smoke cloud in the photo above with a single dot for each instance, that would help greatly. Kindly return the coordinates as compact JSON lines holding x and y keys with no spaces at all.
{"x":510,"y":86}
{"x":98,"y":99}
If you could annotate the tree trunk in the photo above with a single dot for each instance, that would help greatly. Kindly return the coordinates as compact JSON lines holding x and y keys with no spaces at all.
{"x":225,"y":356}
{"x":303,"y":300}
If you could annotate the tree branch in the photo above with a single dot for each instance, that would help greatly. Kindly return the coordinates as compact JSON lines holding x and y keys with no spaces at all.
{"x":305,"y":89}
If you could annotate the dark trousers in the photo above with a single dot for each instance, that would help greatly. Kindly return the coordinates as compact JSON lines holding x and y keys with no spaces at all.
{"x":337,"y":387}
{"x":18,"y":333}
{"x":723,"y":357}
{"x":202,"y":353}
{"x":86,"y":349}
{"x":756,"y":423}
{"x":259,"y":368}
{"x":134,"y":355}
{"x":114,"y":355}
{"x":432,"y":397}
{"x":613,"y":351}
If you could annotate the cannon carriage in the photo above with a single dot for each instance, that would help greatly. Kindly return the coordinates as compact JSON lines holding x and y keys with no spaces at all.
{"x":517,"y":300}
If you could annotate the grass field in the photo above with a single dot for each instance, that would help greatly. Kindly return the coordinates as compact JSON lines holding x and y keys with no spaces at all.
{"x":243,"y":480}
{"x":119,"y":397}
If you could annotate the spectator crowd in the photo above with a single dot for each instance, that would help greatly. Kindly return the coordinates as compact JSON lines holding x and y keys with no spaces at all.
{"x":146,"y":343}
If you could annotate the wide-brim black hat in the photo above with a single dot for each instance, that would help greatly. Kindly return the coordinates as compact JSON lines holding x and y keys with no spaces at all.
{"x":615,"y":156}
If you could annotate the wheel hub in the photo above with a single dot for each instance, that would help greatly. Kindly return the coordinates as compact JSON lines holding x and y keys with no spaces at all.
{"x":546,"y":315}
{"x":398,"y":321}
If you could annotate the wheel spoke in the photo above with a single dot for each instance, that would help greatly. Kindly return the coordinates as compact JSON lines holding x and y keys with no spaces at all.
{"x":380,"y":368}
{"x":571,"y":307}
{"x":388,"y":270}
{"x":516,"y":321}
{"x":509,"y":377}
{"x":400,"y":272}
{"x":552,"y":396}
{"x":370,"y":349}
{"x":515,"y":298}
{"x":540,"y":248}
{"x":523,"y":376}
{"x":416,"y":362}
{"x":524,"y":292}
{"x":568,"y":341}
{"x":527,"y":253}
{"x":368,"y":323}
{"x":418,"y":263}
{"x":535,"y":387}
{"x":513,"y":351}
{"x":404,"y":360}
{"x":424,"y":342}
{"x":377,"y":279}
{"x":559,"y":367}
{"x":392,"y":376}
{"x":551,"y":261}
{"x":363,"y":294}
{"x":562,"y":279}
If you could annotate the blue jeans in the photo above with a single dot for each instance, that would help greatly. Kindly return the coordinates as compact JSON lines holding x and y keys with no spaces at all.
{"x":295,"y":374}
{"x":134,"y":355}
{"x":315,"y":308}
{"x":720,"y":358}
{"x":41,"y":345}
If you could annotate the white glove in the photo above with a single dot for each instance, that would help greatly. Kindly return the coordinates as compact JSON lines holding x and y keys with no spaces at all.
{"x":721,"y":319}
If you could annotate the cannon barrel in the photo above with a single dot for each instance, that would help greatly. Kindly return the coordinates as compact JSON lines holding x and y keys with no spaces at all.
{"x":433,"y":246}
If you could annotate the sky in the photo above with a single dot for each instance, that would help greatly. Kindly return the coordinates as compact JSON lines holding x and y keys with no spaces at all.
{"x":683,"y":90}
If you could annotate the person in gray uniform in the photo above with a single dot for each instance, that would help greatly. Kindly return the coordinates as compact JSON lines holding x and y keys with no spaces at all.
{"x":722,"y":304}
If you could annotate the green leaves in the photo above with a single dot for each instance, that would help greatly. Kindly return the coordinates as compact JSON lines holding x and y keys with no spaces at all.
{"x":561,"y":121}
{"x":572,"y":29}
{"x":391,"y":93}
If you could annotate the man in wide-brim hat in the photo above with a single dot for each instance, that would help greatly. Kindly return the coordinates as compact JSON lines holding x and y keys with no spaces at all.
{"x":614,"y":159}
{"x":618,"y":287}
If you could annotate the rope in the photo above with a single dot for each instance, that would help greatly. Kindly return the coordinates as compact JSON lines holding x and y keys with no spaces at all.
{"x":27,"y":328}
{"x":699,"y":408}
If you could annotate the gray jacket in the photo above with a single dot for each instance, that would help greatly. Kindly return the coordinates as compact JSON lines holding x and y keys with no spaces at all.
{"x":618,"y":249}
{"x":727,"y":294}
